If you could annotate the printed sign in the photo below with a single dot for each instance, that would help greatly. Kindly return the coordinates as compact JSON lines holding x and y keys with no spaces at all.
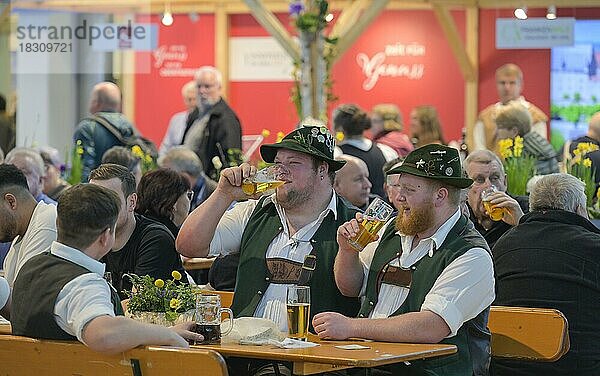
{"x":534,"y":33}
{"x":258,"y":59}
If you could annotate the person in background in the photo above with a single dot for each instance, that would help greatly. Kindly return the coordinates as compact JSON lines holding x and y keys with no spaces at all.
{"x":352,"y":121}
{"x":213,"y":130}
{"x":73,"y":300}
{"x":124,"y":157}
{"x":142,"y":246}
{"x":54,"y":184}
{"x":164,"y":195}
{"x":187,"y":163}
{"x":513,"y":120}
{"x":386,"y":128}
{"x":31,"y":163}
{"x":428,"y":278}
{"x":7,"y":128}
{"x":425,"y":127}
{"x":486,"y":170}
{"x":28,"y":226}
{"x":95,"y":139}
{"x":550,"y":260}
{"x":509,"y":83}
{"x":174,"y":135}
{"x":352,"y":182}
{"x":593,"y":137}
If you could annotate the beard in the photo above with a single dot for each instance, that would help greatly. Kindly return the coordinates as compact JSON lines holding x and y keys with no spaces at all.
{"x":9,"y":229}
{"x":419,"y":220}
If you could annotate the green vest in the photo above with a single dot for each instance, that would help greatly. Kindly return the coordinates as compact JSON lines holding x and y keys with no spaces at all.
{"x":473,"y":338}
{"x":253,"y":276}
{"x":40,"y":280}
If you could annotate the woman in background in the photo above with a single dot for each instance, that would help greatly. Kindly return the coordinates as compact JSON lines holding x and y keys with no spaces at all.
{"x":425,"y":127}
{"x":386,"y":128}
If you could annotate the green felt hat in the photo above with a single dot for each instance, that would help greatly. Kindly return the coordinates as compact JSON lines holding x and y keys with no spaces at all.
{"x":315,"y":141}
{"x":437,"y":162}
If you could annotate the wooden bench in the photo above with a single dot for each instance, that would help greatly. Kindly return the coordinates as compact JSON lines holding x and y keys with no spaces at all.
{"x":537,"y":334}
{"x":27,"y":356}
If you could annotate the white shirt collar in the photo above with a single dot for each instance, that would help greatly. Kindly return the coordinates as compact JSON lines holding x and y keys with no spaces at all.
{"x":332,"y":206}
{"x":363,"y":143}
{"x":435,"y":240}
{"x":78,"y":257}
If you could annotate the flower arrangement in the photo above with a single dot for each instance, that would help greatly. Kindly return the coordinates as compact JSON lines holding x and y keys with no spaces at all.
{"x":148,"y":163}
{"x":519,"y":168}
{"x":171,"y":298}
{"x":74,"y":168}
{"x":581,"y":168}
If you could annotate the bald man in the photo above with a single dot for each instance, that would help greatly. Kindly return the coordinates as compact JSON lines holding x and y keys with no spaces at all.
{"x":352,"y":181}
{"x":105,"y":104}
{"x":593,"y":137}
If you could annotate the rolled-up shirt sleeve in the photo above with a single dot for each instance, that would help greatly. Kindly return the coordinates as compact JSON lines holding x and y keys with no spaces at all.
{"x":228,"y":235}
{"x":463,"y":290}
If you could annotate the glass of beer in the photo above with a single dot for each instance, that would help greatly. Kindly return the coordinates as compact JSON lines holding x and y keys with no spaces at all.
{"x":494,"y":212}
{"x":264,"y":179}
{"x":208,"y":318}
{"x":298,"y":311}
{"x":374,"y":218}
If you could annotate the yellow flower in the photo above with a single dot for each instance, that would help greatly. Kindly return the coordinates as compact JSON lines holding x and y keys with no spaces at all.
{"x":174,"y":303}
{"x":587,"y":162}
{"x":265,"y":133}
{"x":518,"y":146}
{"x":137,"y":151}
{"x":598,"y":194}
{"x":339,"y":136}
{"x":148,"y":158}
{"x":176,"y":275}
{"x":504,"y":147}
{"x":159,"y":283}
{"x":280,"y":136}
{"x":79,"y":142}
{"x":79,"y":150}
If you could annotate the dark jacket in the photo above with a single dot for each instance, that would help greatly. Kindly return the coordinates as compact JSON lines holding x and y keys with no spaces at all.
{"x":550,"y":260}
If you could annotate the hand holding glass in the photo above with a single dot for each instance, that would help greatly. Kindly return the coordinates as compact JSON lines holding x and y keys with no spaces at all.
{"x":495,"y":213}
{"x":298,"y":311}
{"x":263,"y":180}
{"x":374,"y":218}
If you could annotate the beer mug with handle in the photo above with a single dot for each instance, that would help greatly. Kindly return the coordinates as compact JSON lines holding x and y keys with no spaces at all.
{"x":208,"y":318}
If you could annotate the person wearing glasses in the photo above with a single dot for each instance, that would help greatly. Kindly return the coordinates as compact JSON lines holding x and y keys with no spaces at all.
{"x":429,"y":277}
{"x":213,"y":130}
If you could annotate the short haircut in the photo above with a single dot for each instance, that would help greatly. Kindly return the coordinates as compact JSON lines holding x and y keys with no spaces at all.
{"x":84,"y":212}
{"x":316,"y":162}
{"x":122,"y":156}
{"x":212,"y":70}
{"x":111,"y":171}
{"x":510,"y":69}
{"x":387,"y":166}
{"x":32,"y":156}
{"x":558,"y":191}
{"x":158,"y":192}
{"x":484,"y":157}
{"x":107,"y":99}
{"x":12,"y":178}
{"x":454,"y":193}
{"x":351,"y":119}
{"x":182,"y":159}
{"x":188,"y":86}
{"x":514,"y":115}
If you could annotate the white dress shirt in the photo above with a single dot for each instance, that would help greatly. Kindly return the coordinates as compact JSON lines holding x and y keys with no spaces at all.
{"x":174,"y":135}
{"x":85,"y":297}
{"x":4,"y":292}
{"x":365,"y":144}
{"x":463,"y":289}
{"x":295,"y":247}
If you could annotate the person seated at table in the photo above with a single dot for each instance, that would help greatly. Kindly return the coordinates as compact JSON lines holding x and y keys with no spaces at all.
{"x":142,"y":246}
{"x":72,"y":299}
{"x":429,"y":277}
{"x":514,"y":120}
{"x":164,"y":196}
{"x":352,"y":182}
{"x":4,"y":298}
{"x":486,"y":170}
{"x":124,"y":157}
{"x":284,"y":239}
{"x":550,"y":260}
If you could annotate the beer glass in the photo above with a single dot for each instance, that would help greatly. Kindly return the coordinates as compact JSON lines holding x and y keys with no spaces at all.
{"x":208,"y":318}
{"x":374,"y":218}
{"x":263,"y":180}
{"x":298,"y":311}
{"x":495,"y":213}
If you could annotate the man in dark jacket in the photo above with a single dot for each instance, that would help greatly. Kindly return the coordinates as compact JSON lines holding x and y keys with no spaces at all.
{"x":213,"y":130}
{"x":550,"y":260}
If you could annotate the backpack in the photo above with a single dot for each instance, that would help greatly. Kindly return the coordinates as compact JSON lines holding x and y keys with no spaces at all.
{"x":147,"y":146}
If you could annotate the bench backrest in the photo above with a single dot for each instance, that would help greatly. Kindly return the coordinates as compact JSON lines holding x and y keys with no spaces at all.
{"x":27,"y":356}
{"x":538,"y":334}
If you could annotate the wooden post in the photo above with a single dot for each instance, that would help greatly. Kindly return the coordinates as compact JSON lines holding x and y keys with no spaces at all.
{"x":222,"y":46}
{"x":472,"y":49}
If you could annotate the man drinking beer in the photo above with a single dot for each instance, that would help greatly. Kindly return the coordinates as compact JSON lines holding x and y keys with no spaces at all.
{"x":428,"y":279}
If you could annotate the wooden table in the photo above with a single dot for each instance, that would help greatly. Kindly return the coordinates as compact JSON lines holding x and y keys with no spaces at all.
{"x":196,"y":263}
{"x":5,"y":328}
{"x":327,"y":358}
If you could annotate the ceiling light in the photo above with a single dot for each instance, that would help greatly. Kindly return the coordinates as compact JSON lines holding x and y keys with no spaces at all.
{"x":329,"y":17}
{"x":167,"y":18}
{"x":521,"y":13}
{"x":551,"y":13}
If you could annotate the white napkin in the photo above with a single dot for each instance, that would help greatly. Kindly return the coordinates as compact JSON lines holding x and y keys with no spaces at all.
{"x":288,"y":343}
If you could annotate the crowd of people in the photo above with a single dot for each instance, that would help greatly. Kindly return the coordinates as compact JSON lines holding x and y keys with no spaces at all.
{"x":429,"y":276}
